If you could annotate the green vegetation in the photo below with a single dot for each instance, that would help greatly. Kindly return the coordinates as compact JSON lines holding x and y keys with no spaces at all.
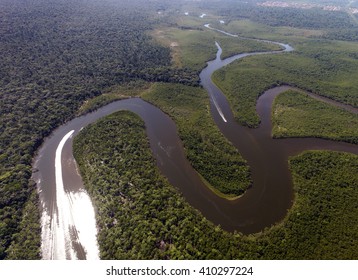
{"x":233,"y":46}
{"x":209,"y":152}
{"x":295,"y":114}
{"x":54,"y":56}
{"x":62,"y":58}
{"x":323,"y":67}
{"x":323,"y":221}
{"x":131,"y":89}
{"x":342,"y":34}
{"x":140,"y":216}
{"x":252,"y":29}
{"x":313,"y":18}
{"x":206,"y":148}
{"x":27,"y":243}
{"x":193,"y":47}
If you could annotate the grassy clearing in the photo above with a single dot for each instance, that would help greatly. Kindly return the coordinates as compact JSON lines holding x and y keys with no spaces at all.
{"x":143,"y":217}
{"x":232,"y":46}
{"x":193,"y":46}
{"x":323,"y":67}
{"x":295,"y":114}
{"x":252,"y":29}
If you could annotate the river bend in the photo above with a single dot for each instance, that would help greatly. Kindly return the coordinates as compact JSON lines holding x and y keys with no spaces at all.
{"x":68,"y":220}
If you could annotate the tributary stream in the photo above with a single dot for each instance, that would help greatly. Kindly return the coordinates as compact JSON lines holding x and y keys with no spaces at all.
{"x":68,"y":219}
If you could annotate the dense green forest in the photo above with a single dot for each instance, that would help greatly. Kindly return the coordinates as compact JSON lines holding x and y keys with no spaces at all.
{"x":295,"y":114}
{"x":209,"y":152}
{"x":141,"y":216}
{"x":337,"y":25}
{"x":315,"y":17}
{"x":323,"y":67}
{"x":55,"y":55}
{"x":301,"y":18}
{"x":313,"y":224}
{"x":63,"y":58}
{"x":193,"y":44}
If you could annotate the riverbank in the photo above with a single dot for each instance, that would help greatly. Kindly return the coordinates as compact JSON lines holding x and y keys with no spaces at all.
{"x":143,"y":217}
{"x":270,"y":161}
{"x":208,"y":151}
{"x":245,"y":80}
{"x":296,"y":114}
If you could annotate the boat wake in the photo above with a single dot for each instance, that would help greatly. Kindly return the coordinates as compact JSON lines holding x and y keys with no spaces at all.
{"x":69,"y":226}
{"x":218,"y":108}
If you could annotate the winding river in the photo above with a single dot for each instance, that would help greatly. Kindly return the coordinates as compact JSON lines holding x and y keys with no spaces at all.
{"x":68,"y":219}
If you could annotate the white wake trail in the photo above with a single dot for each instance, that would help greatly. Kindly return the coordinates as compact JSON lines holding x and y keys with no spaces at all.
{"x":219,"y":109}
{"x":73,"y":220}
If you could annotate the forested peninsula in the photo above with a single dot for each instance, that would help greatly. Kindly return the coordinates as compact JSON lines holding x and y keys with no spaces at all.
{"x":61,"y":59}
{"x":141,"y":216}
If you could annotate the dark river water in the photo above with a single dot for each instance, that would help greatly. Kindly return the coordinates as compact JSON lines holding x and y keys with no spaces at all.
{"x":263,"y":204}
{"x":271,"y":195}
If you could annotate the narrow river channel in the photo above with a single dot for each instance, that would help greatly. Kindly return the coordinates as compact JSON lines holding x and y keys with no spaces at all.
{"x":68,"y":219}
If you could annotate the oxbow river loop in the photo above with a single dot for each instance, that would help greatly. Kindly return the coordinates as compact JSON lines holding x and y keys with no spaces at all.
{"x":68,"y":220}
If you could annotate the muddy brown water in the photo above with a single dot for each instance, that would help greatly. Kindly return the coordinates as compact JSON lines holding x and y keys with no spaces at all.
{"x":271,"y":195}
{"x":263,"y":204}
